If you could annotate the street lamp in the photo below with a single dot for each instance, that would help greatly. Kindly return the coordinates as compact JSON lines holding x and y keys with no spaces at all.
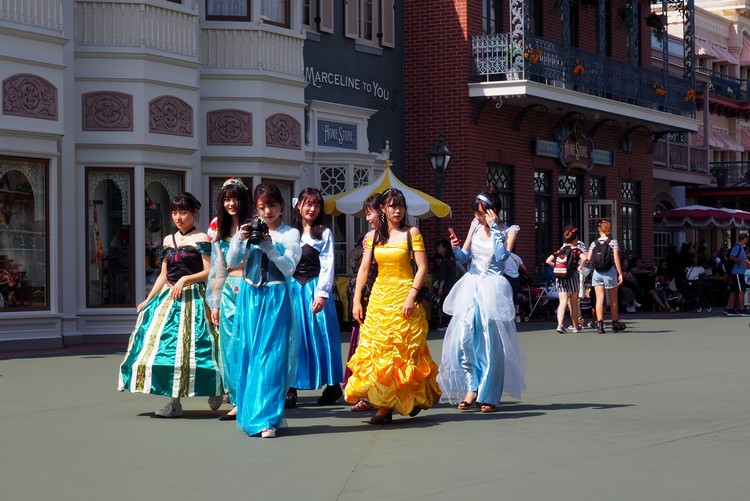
{"x":440,"y":157}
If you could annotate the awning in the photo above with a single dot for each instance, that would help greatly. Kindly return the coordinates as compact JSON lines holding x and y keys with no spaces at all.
{"x":745,"y":138}
{"x":696,"y":139}
{"x":704,"y":49}
{"x":728,"y":143}
{"x":724,"y":56}
{"x":745,"y":54}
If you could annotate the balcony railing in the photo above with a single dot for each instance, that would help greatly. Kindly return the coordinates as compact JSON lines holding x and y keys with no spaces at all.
{"x":253,"y":49}
{"x":168,"y":28}
{"x":730,"y":173}
{"x":674,"y":156}
{"x":40,"y":13}
{"x":551,"y":63}
{"x":724,"y":85}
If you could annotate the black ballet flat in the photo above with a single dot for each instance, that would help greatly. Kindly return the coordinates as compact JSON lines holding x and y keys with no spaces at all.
{"x":290,"y":402}
{"x":331,"y":394}
{"x":228,"y":417}
{"x":415,"y":411}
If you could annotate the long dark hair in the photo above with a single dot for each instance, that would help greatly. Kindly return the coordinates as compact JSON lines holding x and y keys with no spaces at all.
{"x":390,"y":198}
{"x":185,"y":201}
{"x":232,"y":188}
{"x":312,"y":195}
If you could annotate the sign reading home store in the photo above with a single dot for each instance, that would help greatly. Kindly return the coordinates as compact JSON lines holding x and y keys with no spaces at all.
{"x":337,"y":135}
{"x":577,"y":152}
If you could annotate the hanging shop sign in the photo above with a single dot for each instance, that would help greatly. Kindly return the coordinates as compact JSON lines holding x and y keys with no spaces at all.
{"x":552,"y":149}
{"x":576,"y":152}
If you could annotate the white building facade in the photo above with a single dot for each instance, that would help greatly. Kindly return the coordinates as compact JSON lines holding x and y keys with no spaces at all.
{"x":110,"y":109}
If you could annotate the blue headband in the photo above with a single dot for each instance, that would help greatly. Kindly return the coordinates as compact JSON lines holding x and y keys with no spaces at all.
{"x":484,"y":199}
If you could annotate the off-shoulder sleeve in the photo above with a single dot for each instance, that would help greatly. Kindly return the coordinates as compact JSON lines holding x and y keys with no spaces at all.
{"x":204,"y":247}
{"x":417,"y":243}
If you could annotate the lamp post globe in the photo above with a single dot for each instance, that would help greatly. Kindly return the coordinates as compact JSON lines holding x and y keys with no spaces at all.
{"x":440,"y":156}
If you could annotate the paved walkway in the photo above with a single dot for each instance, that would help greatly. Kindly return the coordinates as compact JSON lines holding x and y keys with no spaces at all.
{"x":660,"y":411}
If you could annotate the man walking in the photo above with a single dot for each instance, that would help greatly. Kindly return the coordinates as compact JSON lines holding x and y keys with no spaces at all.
{"x":737,"y":286}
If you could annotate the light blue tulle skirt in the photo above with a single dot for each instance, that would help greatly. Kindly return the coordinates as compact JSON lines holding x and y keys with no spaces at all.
{"x":480,"y":349}
{"x":263,"y":355}
{"x":319,"y":340}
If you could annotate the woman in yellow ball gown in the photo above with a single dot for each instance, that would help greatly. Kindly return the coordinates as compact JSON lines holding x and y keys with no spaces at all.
{"x":392,"y":367}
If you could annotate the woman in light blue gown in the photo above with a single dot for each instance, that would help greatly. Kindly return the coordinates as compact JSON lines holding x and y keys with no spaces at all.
{"x":481,"y":354}
{"x":264,"y":345}
{"x":224,"y":281}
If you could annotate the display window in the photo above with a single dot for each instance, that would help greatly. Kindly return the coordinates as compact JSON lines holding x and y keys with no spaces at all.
{"x":24,"y":256}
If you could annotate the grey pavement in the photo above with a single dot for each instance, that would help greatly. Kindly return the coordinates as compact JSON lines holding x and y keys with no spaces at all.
{"x":660,"y":411}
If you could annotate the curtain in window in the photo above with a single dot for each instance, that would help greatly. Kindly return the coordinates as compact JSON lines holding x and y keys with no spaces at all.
{"x":273,"y":10}
{"x":233,"y":8}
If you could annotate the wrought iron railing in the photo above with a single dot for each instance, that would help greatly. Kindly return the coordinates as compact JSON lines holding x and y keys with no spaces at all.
{"x":551,"y":63}
{"x":730,"y":173}
{"x":725,"y":85}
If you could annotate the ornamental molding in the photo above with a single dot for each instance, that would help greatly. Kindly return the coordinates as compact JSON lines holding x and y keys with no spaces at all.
{"x":107,"y":111}
{"x":230,"y":127}
{"x":283,"y":131}
{"x":29,"y":96}
{"x":170,"y":115}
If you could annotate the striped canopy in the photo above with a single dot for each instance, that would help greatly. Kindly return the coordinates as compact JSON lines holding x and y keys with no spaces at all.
{"x":418,"y":204}
{"x":703,"y":216}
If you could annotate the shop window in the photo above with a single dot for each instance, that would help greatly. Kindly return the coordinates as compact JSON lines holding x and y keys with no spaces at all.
{"x":161,"y":188}
{"x":542,"y":218}
{"x":109,"y":238}
{"x":228,"y":10}
{"x":24,"y":263}
{"x":500,"y":179}
{"x":596,"y":188}
{"x":630,"y":215}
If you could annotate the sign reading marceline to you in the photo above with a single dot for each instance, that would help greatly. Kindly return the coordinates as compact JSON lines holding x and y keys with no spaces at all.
{"x":576,"y":151}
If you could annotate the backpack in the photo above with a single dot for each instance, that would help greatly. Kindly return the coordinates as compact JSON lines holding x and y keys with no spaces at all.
{"x":602,"y":258}
{"x":565,"y":263}
{"x":725,"y":265}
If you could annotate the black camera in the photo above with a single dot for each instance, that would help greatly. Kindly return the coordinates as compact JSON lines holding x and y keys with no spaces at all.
{"x":424,"y":294}
{"x":258,"y":229}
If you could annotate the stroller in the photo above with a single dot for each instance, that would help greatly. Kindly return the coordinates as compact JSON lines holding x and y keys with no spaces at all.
{"x":689,"y":294}
{"x":535,"y":301}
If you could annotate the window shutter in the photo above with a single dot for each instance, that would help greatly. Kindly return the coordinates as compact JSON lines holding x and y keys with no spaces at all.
{"x":326,"y":16}
{"x":388,"y":23}
{"x":351,"y":28}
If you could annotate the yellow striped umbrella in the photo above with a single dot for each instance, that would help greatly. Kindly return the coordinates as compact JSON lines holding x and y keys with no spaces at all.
{"x":418,"y":204}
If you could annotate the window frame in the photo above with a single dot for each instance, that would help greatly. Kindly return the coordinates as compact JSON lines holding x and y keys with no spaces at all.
{"x":210,"y":17}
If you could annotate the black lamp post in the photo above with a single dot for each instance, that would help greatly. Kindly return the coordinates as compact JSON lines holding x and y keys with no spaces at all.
{"x":440,"y":157}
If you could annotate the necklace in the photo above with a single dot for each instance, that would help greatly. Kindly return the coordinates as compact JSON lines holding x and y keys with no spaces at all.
{"x":183,"y":233}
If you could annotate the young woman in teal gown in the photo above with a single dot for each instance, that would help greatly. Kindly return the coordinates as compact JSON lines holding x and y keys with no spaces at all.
{"x":319,"y":334}
{"x":224,"y":281}
{"x":264,"y":348}
{"x":174,"y":349}
{"x":481,"y":354}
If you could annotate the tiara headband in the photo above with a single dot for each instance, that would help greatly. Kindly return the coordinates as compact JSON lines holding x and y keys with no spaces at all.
{"x":484,"y":199}
{"x":234,"y":181}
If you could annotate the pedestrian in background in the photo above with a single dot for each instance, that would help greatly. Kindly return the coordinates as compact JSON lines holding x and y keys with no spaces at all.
{"x":604,"y":255}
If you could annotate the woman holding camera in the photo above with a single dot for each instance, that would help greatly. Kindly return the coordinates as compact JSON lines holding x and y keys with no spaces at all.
{"x":319,"y":356}
{"x":173,"y":350}
{"x":392,"y":367}
{"x":481,"y":355}
{"x":233,"y":208}
{"x":264,"y":344}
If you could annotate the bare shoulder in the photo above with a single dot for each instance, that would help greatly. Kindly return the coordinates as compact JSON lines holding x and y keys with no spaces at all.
{"x":414,"y":231}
